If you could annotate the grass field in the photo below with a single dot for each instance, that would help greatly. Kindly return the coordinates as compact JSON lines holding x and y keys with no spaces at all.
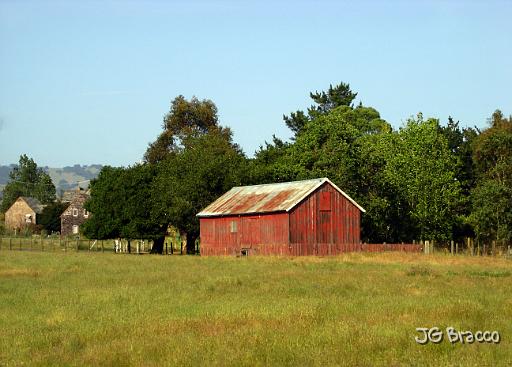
{"x":358,"y":309}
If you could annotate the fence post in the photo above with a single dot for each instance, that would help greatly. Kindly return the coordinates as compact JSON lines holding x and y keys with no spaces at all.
{"x":77,"y":245}
{"x":451,"y":247}
{"x":102,"y":247}
{"x":10,"y":243}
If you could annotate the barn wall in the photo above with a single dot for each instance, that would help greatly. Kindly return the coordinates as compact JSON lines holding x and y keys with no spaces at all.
{"x":264,"y":234}
{"x":325,"y":223}
{"x":216,"y":236}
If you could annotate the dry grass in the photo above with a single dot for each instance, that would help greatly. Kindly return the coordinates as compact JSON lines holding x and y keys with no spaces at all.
{"x":356,"y":309}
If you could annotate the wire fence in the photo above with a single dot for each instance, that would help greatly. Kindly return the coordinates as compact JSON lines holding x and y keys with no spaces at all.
{"x":56,"y":244}
{"x":178,"y":247}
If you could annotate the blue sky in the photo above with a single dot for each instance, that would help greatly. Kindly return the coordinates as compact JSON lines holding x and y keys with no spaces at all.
{"x":89,"y":82}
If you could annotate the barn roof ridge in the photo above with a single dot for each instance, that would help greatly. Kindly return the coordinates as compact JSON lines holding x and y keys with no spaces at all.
{"x":267,"y":198}
{"x":283,"y":183}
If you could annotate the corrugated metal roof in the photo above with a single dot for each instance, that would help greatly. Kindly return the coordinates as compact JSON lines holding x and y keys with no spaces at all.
{"x":266,"y":198}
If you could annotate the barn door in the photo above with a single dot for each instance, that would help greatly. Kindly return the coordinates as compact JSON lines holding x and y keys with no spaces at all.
{"x":251,"y":234}
{"x":324,"y":223}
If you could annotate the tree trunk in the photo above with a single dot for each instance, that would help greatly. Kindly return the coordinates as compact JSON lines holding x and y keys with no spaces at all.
{"x":158,"y":245}
{"x":129,"y":246}
{"x":191,"y":243}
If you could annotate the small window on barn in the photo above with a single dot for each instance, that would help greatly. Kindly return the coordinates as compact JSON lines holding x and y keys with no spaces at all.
{"x":75,"y":229}
{"x":325,"y":201}
{"x":75,"y":212}
{"x":86,"y":213}
{"x":233,"y":227}
{"x":28,"y":218}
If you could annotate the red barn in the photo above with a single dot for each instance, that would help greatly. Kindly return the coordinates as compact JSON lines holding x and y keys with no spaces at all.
{"x":312,"y":217}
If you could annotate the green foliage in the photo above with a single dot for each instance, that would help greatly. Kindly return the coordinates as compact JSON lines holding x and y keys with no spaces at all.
{"x":185,"y":118}
{"x":49,"y":219}
{"x":271,"y":164}
{"x":28,"y":180}
{"x":187,"y":182}
{"x":339,"y":95}
{"x":491,"y":214}
{"x":492,"y":197}
{"x":460,"y":142}
{"x":421,"y":167}
{"x":120,"y":204}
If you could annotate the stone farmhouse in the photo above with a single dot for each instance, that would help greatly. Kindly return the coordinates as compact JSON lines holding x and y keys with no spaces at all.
{"x":23,"y":213}
{"x":75,"y":214}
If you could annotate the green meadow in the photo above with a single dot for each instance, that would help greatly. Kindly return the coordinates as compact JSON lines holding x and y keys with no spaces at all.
{"x":76,"y":309}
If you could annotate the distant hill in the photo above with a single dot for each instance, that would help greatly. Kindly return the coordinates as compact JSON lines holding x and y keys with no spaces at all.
{"x":65,"y":178}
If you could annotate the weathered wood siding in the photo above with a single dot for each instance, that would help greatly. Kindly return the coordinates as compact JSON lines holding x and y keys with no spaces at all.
{"x":260,"y":234}
{"x":325,"y":223}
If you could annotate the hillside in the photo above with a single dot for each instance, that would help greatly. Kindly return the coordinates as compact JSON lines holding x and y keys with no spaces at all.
{"x":63,"y":178}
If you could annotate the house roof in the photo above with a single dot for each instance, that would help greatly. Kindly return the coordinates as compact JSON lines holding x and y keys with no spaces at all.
{"x":33,"y":203}
{"x":69,"y":195}
{"x":268,"y":198}
{"x":77,"y":201}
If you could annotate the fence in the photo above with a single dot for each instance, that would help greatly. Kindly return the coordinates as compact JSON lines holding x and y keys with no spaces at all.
{"x":467,"y":247}
{"x":53,"y":244}
{"x":383,"y":247}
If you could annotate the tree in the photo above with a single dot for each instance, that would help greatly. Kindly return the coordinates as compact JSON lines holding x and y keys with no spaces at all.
{"x":208,"y":166}
{"x":460,"y":142}
{"x":421,"y":167}
{"x":120,"y":205}
{"x":50,"y":216}
{"x":105,"y":205}
{"x":185,"y":118}
{"x":491,"y":213}
{"x":387,"y":216}
{"x":271,"y":164}
{"x":339,"y":95}
{"x":28,"y":180}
